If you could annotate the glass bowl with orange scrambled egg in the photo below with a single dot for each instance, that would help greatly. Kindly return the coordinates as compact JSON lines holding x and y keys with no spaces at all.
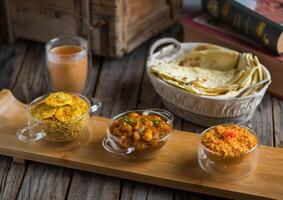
{"x":228,"y":151}
{"x":56,"y":117}
{"x":139,"y":134}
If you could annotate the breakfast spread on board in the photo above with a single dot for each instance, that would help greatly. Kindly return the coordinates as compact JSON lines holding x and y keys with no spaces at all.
{"x":62,"y":116}
{"x":205,"y":71}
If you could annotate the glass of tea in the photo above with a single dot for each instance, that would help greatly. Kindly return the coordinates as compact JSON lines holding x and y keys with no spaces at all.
{"x":69,"y":65}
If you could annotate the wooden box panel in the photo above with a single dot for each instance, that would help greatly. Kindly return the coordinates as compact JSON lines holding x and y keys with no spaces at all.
{"x":113,"y":27}
{"x":44,"y":19}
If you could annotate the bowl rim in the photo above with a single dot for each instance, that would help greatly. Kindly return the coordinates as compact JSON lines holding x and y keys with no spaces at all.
{"x":242,"y":126}
{"x":216,"y":98}
{"x":42,"y":97}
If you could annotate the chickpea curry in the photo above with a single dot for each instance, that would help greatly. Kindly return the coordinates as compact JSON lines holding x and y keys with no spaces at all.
{"x":140,"y":130}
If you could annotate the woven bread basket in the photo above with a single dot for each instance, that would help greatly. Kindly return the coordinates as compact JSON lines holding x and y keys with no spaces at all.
{"x":203,"y":110}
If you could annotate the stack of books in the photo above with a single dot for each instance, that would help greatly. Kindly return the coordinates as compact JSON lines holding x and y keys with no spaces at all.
{"x":254,"y":26}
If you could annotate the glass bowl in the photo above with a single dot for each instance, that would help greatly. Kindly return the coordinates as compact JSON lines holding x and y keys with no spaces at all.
{"x":57,"y":131}
{"x":147,"y":150}
{"x":228,"y":167}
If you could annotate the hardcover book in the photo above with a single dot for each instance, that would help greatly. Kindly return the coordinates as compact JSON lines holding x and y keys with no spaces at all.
{"x":259,"y":20}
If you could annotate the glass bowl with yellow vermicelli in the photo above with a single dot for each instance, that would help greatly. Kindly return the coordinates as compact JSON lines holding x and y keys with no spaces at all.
{"x":57,"y":117}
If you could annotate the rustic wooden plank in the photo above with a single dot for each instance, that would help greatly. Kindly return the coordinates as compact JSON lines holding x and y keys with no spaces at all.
{"x":11,"y":58}
{"x":140,"y":191}
{"x":4,"y":168}
{"x":262,"y":122}
{"x":13,"y":181}
{"x":148,"y":98}
{"x":32,"y":79}
{"x":93,"y":186}
{"x":44,"y":182}
{"x":119,"y":81}
{"x":117,"y":89}
{"x":160,"y":193}
{"x":278,"y":121}
{"x":96,"y":69}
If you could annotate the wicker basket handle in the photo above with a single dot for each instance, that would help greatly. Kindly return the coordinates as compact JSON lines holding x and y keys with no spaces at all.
{"x":164,"y":41}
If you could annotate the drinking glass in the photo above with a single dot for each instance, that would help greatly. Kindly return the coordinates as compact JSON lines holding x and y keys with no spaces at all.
{"x":69,"y":65}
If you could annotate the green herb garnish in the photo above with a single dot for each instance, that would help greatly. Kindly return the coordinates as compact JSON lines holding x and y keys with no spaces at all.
{"x":156,"y":121}
{"x":126,"y":119}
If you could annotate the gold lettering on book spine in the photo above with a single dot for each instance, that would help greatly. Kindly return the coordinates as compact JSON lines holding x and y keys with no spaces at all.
{"x":259,"y":32}
{"x":260,"y":28}
{"x":226,"y":10}
{"x":265,"y":40}
{"x":212,"y":7}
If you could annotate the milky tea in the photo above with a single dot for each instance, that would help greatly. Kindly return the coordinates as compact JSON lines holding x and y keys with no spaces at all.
{"x":67,"y":65}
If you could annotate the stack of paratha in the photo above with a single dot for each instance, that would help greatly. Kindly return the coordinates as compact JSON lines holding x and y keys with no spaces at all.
{"x":211,"y":70}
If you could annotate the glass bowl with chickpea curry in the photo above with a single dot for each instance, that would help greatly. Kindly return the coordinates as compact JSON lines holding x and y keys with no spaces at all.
{"x":228,"y":151}
{"x":139,"y":134}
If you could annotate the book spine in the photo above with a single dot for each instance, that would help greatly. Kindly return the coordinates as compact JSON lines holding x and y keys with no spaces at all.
{"x":246,"y":21}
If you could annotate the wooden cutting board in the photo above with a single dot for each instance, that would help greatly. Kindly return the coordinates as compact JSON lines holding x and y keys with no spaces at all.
{"x":175,"y":166}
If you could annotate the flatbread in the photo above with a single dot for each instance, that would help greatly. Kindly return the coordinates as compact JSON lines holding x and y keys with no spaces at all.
{"x":210,"y":58}
{"x":211,"y":70}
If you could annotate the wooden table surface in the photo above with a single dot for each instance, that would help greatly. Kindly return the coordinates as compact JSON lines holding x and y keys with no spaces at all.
{"x":121,"y":84}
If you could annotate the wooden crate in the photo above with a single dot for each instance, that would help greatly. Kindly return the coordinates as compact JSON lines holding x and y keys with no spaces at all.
{"x":113,"y":27}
